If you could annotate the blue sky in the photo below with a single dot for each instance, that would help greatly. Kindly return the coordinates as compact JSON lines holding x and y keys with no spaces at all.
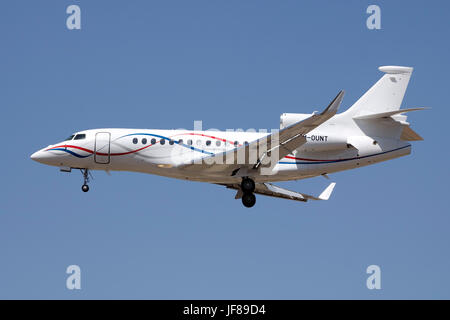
{"x":231,"y":64}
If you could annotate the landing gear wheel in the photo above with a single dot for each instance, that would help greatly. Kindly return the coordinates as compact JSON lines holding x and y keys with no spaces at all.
{"x":247,"y":185}
{"x":85,"y":186}
{"x":248,"y":200}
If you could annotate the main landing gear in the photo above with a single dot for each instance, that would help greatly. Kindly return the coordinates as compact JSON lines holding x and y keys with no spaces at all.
{"x":247,"y":187}
{"x":86,"y":175}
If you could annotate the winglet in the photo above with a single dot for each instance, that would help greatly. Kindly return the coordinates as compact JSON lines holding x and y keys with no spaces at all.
{"x":325,"y":195}
{"x":334,"y":105}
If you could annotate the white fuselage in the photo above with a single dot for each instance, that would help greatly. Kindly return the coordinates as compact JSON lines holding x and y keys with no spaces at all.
{"x":161,"y":152}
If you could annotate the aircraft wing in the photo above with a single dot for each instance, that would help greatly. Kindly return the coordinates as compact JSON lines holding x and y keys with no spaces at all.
{"x":271,"y":190}
{"x":293,"y":136}
{"x":278,"y":144}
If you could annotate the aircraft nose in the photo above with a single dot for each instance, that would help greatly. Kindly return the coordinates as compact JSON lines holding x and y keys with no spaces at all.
{"x":36,"y":156}
{"x":49,"y":158}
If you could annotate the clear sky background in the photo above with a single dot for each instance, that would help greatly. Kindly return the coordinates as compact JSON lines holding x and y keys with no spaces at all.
{"x":231,"y":64}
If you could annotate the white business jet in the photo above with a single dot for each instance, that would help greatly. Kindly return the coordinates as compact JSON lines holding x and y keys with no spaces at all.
{"x":374,"y":129}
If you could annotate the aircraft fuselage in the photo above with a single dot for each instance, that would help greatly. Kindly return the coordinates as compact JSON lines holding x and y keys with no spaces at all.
{"x":161,"y":152}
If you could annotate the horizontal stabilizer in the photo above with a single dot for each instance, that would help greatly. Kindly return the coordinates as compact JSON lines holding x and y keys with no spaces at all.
{"x":385,"y":114}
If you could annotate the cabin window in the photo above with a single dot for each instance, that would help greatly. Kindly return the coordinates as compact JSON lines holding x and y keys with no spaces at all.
{"x":144,"y":141}
{"x":135,"y":140}
{"x":80,"y":136}
{"x":153,"y":141}
{"x":218,"y":143}
{"x":199,"y":142}
{"x":171,"y":142}
{"x":236,"y":143}
{"x":189,"y":142}
{"x":162,"y":141}
{"x":208,"y":142}
{"x":246,"y":143}
{"x":180,"y":141}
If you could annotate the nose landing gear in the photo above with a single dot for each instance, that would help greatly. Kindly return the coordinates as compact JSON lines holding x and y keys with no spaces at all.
{"x":247,"y":187}
{"x":86,"y":174}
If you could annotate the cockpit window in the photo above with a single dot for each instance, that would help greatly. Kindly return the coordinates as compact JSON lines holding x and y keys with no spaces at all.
{"x":70,"y":138}
{"x":80,"y":136}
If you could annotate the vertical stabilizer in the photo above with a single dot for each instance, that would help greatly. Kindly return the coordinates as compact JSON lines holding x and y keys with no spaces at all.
{"x":386,"y":95}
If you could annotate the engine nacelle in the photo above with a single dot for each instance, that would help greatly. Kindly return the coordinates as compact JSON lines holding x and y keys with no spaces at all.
{"x":316,"y":140}
{"x":286,"y":119}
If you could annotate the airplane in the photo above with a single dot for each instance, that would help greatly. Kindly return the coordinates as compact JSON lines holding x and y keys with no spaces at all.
{"x":372,"y":130}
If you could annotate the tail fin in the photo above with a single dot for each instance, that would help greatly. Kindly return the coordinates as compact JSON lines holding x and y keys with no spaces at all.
{"x":386,"y":95}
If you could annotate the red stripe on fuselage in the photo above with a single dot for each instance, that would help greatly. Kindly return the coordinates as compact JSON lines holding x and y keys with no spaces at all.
{"x":70,"y":146}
